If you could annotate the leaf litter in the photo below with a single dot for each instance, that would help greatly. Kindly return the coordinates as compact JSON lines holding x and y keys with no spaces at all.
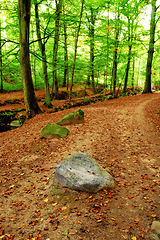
{"x":122,"y":135}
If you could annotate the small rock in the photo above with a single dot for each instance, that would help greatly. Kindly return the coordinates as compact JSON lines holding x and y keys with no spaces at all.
{"x":72,"y":118}
{"x":54,"y":130}
{"x":153,"y":236}
{"x":156,"y":227}
{"x":15,"y":124}
{"x":81,"y":172}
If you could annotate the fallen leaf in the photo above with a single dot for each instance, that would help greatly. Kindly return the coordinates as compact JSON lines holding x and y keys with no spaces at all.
{"x":130,"y":197}
{"x":54,"y":204}
{"x":134,"y":238}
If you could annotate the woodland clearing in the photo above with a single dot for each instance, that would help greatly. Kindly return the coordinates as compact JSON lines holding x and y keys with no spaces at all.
{"x":122,"y":135}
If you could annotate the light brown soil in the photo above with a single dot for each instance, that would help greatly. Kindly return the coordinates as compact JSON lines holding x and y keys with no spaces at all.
{"x":123,"y":135}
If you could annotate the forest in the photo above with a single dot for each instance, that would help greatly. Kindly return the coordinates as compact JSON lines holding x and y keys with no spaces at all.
{"x":99,"y":59}
{"x":51,"y":44}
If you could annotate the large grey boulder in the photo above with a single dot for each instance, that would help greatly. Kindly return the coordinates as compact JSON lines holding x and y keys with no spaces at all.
{"x":72,"y":118}
{"x":81,"y":172}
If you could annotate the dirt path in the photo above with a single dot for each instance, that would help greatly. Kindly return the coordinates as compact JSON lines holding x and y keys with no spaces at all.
{"x":123,"y":136}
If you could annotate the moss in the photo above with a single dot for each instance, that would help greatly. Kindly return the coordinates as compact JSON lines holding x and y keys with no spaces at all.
{"x":74,"y":117}
{"x":54,"y":130}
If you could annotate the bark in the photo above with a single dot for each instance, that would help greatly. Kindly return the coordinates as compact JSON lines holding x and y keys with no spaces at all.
{"x":127,"y":69}
{"x":133,"y":66}
{"x":130,"y":38}
{"x":91,"y":30}
{"x":106,"y":74}
{"x":75,"y":53}
{"x":66,"y":72}
{"x":31,"y":104}
{"x":147,"y":88}
{"x":55,"y":48}
{"x":44,"y":60}
{"x":115,"y":62}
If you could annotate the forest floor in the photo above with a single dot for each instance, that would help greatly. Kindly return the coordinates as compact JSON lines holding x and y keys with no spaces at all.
{"x":122,"y":135}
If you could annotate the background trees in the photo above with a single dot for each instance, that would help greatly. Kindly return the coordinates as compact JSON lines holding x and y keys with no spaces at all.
{"x":113,"y":38}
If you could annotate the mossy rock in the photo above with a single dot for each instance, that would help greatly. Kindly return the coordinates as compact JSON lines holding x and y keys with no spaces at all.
{"x":54,"y":131}
{"x":72,"y":118}
{"x":15,"y":124}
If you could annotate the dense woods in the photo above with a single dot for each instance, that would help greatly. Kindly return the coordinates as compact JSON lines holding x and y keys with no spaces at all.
{"x":113,"y":43}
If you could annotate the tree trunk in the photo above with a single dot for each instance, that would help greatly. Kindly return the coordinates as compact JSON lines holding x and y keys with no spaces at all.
{"x":66,"y":73}
{"x":55,"y":48}
{"x":92,"y":49}
{"x":1,"y":75}
{"x":31,"y":104}
{"x":127,"y":69}
{"x":130,"y":38}
{"x":106,"y":74}
{"x":75,"y":52}
{"x":133,"y":67}
{"x":44,"y":61}
{"x":115,"y":64}
{"x":147,"y":88}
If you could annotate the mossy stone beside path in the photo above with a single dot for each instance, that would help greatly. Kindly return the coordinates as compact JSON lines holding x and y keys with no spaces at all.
{"x":54,"y":130}
{"x":72,"y":118}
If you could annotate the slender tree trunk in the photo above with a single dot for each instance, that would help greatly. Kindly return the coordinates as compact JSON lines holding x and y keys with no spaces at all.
{"x":115,"y":62}
{"x":147,"y":88}
{"x":133,"y":74}
{"x":127,"y":69}
{"x":91,"y":21}
{"x":1,"y":72}
{"x":92,"y":49}
{"x":55,"y":48}
{"x":44,"y":60}
{"x":31,"y":104}
{"x":130,"y":38}
{"x":66,"y":72}
{"x":106,"y":74}
{"x":75,"y":52}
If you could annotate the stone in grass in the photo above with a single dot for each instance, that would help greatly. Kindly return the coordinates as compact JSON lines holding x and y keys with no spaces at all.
{"x":53,"y":131}
{"x":81,"y":172}
{"x":72,"y":118}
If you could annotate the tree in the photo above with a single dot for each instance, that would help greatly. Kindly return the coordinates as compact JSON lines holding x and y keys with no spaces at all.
{"x":66,"y":72}
{"x":31,"y":104}
{"x":75,"y":52}
{"x":106,"y":73}
{"x":130,"y":39}
{"x":91,"y":20}
{"x":116,"y":45}
{"x":55,"y":48}
{"x":43,"y":54}
{"x":147,"y":88}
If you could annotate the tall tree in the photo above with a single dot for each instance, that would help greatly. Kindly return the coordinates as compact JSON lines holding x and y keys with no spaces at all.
{"x":31,"y":104}
{"x":106,"y":73}
{"x":147,"y":88}
{"x":116,"y":45}
{"x":75,"y":51}
{"x":130,"y":39}
{"x":91,"y":20}
{"x":43,"y":54}
{"x":66,"y":70}
{"x":55,"y":48}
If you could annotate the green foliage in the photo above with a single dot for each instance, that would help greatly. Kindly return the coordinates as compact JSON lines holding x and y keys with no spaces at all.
{"x":133,"y":10}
